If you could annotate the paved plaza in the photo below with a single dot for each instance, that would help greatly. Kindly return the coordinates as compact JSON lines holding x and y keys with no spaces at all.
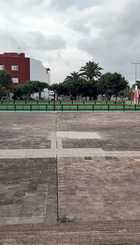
{"x":70,"y":178}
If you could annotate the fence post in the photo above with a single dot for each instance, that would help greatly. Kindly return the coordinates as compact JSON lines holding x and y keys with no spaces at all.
{"x":54,"y":105}
{"x":61,"y":107}
{"x":46,"y":107}
{"x":77,"y":107}
{"x":30,"y":107}
{"x":93,"y":107}
{"x":15,"y":107}
{"x":123,"y":106}
{"x":108,"y":107}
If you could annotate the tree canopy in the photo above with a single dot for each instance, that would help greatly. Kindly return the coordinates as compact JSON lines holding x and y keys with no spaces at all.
{"x":87,"y":82}
{"x":29,"y":88}
{"x":5,"y":79}
{"x":112,"y":84}
{"x":91,"y":70}
{"x":5,"y":83}
{"x":90,"y":82}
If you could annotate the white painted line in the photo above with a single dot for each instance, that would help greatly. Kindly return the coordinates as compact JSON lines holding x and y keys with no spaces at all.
{"x":77,"y":135}
{"x":122,"y":153}
{"x":21,"y":220}
{"x":80,"y":152}
{"x":59,"y":143}
{"x":27,"y":153}
{"x":53,"y":141}
{"x":60,"y":153}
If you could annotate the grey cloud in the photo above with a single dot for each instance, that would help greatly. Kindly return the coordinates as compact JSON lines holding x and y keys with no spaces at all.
{"x":41,"y":42}
{"x":65,"y":4}
{"x":118,"y":43}
{"x":18,"y":3}
{"x":32,"y":41}
{"x":110,"y":32}
{"x":8,"y":42}
{"x":77,"y":26}
{"x":24,"y":7}
{"x":54,"y":4}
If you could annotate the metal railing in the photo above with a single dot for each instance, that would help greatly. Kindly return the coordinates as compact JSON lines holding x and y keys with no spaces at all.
{"x":69,"y":107}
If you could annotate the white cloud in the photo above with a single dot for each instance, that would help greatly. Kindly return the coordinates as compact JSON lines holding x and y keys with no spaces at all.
{"x":65,"y":34}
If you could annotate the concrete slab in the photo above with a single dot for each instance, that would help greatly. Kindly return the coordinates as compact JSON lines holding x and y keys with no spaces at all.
{"x":78,"y":167}
{"x":99,"y":189}
{"x":28,"y":191}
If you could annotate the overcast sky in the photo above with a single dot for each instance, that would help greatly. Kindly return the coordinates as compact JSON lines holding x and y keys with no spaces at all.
{"x":65,"y":34}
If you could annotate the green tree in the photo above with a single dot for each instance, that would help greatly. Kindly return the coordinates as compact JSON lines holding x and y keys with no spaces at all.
{"x":3,"y":91}
{"x":29,"y":88}
{"x":71,"y":85}
{"x":5,"y":84}
{"x":58,"y":88}
{"x":37,"y":87}
{"x":91,"y":71}
{"x":74,"y":76}
{"x":73,"y":89}
{"x":112,"y":84}
{"x":75,"y":85}
{"x":5,"y":79}
{"x":90,"y":89}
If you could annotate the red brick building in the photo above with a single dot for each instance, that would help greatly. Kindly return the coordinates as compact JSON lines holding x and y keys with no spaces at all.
{"x":17,"y":65}
{"x":22,"y":68}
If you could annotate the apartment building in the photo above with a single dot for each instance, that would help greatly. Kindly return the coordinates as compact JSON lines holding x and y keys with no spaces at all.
{"x":22,"y":68}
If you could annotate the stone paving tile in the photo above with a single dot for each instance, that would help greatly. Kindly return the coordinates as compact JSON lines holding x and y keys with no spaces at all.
{"x":48,"y":237}
{"x":106,"y":144}
{"x":99,"y":189}
{"x":28,"y":138}
{"x":118,"y":131}
{"x":98,"y":178}
{"x":28,"y":191}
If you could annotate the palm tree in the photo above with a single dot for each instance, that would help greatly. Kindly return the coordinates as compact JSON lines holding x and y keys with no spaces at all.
{"x":91,"y":70}
{"x":74,"y":76}
{"x":71,"y":84}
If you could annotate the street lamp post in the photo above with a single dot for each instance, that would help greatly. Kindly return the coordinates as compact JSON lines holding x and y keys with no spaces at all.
{"x":48,"y":74}
{"x":136,"y":69}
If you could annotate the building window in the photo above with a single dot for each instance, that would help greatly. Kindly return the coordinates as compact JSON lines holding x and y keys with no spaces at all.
{"x":15,"y":80}
{"x":14,"y":67}
{"x":1,"y":67}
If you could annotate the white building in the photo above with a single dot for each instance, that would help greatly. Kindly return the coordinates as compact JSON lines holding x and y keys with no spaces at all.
{"x":38,"y":72}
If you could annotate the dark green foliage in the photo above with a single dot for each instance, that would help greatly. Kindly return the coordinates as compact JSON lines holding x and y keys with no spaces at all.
{"x":91,"y":71}
{"x":112,"y":84}
{"x":29,"y":88}
{"x":89,"y":82}
{"x":5,"y":79}
{"x":5,"y":84}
